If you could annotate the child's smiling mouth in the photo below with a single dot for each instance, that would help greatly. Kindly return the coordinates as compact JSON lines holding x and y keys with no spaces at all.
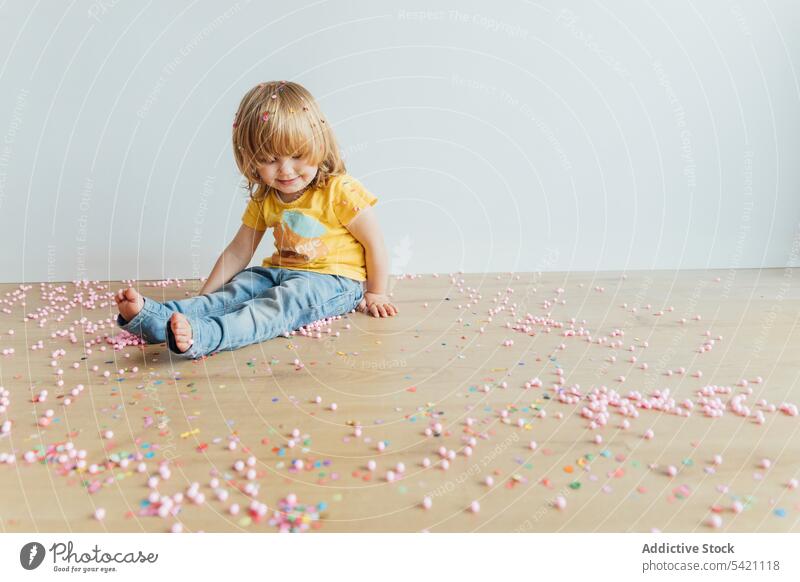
{"x":287,"y":181}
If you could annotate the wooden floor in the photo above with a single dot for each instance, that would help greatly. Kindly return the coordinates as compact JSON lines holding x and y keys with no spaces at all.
{"x":395,"y":377}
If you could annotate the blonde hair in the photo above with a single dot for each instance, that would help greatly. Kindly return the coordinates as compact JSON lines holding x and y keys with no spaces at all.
{"x":281,"y":118}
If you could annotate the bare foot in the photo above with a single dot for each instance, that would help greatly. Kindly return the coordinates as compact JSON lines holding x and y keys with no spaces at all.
{"x":129,"y":303}
{"x":182,"y":331}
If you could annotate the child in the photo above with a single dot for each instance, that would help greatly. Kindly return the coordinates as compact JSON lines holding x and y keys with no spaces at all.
{"x":330,"y":257}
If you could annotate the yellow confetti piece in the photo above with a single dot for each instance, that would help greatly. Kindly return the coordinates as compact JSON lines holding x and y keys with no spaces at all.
{"x":190,"y":433}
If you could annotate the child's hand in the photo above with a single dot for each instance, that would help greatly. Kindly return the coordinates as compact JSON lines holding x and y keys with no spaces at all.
{"x":376,"y":305}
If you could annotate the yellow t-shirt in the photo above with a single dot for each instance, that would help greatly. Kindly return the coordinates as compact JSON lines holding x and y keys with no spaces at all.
{"x":310,"y":233}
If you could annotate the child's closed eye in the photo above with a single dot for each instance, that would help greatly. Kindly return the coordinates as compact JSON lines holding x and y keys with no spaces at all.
{"x":273,"y":160}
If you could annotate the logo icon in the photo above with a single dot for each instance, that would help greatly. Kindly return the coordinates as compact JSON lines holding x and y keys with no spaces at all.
{"x":31,"y":555}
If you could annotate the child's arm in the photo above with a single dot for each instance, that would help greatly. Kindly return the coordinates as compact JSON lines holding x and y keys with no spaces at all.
{"x":366,"y":230}
{"x":234,"y":258}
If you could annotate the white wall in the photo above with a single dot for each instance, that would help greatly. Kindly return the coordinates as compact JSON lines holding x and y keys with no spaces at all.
{"x":498,"y":136}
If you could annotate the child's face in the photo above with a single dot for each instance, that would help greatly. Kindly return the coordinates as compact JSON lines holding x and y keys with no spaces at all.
{"x":287,"y":174}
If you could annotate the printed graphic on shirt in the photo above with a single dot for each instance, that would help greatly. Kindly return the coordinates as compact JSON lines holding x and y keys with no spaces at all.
{"x":297,"y":238}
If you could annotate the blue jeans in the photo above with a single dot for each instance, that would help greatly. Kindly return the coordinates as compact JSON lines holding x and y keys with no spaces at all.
{"x":257,"y":304}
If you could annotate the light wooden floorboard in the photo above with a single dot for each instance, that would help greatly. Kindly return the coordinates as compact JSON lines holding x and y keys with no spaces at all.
{"x":395,"y":377}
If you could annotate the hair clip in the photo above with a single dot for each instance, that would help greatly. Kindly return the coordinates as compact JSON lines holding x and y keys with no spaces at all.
{"x":265,"y":116}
